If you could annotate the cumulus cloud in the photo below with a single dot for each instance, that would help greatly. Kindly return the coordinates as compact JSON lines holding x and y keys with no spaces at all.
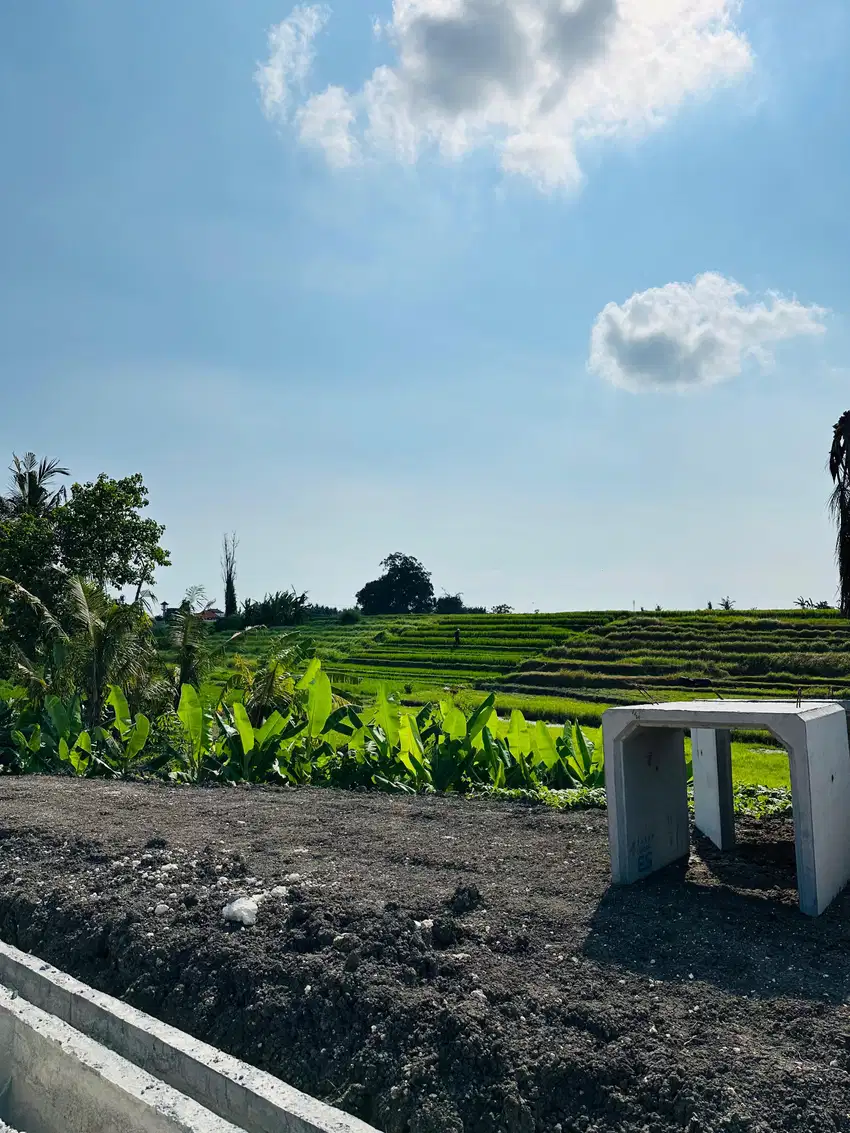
{"x":530,"y":79}
{"x":685,"y":335}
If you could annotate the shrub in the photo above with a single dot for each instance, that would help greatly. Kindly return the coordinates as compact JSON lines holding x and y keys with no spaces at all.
{"x":350,"y":617}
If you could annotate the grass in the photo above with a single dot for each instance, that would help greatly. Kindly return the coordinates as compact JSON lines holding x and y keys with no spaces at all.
{"x":753,"y":764}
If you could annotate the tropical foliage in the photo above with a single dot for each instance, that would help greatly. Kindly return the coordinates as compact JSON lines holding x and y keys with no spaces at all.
{"x":284,"y":728}
{"x":31,"y":491}
{"x":96,"y":531}
{"x":283,"y":608}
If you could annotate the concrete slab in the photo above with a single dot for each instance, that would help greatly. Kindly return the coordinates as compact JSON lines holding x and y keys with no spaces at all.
{"x":59,"y":1081}
{"x":645,"y":788}
{"x":253,"y":1101}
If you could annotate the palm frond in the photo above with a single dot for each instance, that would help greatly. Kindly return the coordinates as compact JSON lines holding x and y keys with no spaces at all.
{"x":49,"y":621}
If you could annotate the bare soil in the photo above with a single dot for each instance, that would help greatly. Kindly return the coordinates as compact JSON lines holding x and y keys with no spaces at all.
{"x":442,"y":965}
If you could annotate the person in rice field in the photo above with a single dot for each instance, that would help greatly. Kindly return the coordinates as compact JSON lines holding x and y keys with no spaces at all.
{"x":457,"y":637}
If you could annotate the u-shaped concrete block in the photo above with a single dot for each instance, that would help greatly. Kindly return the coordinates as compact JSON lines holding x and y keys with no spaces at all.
{"x":648,"y":823}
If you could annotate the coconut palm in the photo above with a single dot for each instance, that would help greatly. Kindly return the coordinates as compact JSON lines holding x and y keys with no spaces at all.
{"x":839,"y":505}
{"x":94,"y":643}
{"x":31,"y":487}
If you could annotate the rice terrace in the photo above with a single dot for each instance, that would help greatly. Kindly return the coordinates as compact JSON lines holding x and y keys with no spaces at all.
{"x":424,"y":567}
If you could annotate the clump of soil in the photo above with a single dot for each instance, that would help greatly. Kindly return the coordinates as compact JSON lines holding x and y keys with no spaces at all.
{"x":441,"y":965}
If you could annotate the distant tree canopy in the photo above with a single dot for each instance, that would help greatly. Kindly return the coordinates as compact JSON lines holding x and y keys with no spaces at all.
{"x":283,"y":608}
{"x":404,"y":588}
{"x":449,"y":604}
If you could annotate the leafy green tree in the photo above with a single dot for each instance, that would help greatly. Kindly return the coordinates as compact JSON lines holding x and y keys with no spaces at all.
{"x":28,"y":552}
{"x":449,"y":604}
{"x":502,"y":608}
{"x":839,"y":505}
{"x":103,"y":537}
{"x":404,"y":588}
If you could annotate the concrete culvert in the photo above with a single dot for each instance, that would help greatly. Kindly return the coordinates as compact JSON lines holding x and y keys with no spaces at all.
{"x":118,"y":1068}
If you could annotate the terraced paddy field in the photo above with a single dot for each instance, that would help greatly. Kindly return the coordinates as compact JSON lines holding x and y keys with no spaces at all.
{"x":550,"y":664}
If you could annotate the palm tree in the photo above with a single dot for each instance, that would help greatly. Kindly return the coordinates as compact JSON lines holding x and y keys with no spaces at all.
{"x":839,"y":505}
{"x":31,"y":489}
{"x":97,"y":642}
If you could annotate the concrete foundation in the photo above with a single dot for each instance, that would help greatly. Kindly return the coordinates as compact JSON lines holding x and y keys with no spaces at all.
{"x":81,"y":1031}
{"x":647,"y":793}
{"x":56,"y":1080}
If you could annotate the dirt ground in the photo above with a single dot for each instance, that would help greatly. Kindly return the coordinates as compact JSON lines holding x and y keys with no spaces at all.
{"x":440,"y":965}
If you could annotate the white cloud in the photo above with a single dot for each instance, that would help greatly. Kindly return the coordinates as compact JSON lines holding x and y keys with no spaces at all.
{"x":291,"y":55}
{"x":326,"y":121}
{"x":530,"y":79}
{"x":685,"y":335}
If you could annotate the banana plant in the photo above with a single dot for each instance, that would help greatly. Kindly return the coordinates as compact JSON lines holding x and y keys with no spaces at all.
{"x":200,"y":743}
{"x":28,"y":749}
{"x":79,"y":757}
{"x":250,"y":754}
{"x":579,"y":766}
{"x":123,"y":738}
{"x":376,"y":757}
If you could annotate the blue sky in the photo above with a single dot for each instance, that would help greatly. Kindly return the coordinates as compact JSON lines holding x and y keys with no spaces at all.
{"x":340,"y":346}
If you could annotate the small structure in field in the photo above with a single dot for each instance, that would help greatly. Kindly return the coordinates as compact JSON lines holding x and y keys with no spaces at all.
{"x":648,"y":822}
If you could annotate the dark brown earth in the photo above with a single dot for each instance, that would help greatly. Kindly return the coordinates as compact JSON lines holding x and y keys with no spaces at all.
{"x":529,"y":998}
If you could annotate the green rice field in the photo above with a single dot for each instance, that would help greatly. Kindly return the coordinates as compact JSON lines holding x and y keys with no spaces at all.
{"x":573,"y":665}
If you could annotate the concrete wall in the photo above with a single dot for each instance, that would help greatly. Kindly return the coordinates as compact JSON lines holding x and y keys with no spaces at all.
{"x":252,"y":1100}
{"x":648,"y":798}
{"x":59,"y":1081}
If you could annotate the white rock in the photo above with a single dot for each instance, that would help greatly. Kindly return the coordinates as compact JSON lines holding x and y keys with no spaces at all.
{"x":478,"y":994}
{"x":161,"y":909}
{"x":279,"y":891}
{"x":241,"y":911}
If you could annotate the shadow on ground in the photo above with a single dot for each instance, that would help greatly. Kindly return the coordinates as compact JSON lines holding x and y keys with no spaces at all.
{"x":729,"y":919}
